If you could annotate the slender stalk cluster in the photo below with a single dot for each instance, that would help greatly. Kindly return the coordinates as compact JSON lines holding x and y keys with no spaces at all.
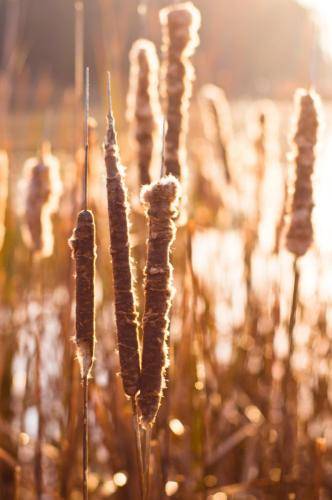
{"x":125,"y":307}
{"x":180,"y":25}
{"x":161,"y":199}
{"x":143,"y":103}
{"x":218,"y":124}
{"x":83,"y":246}
{"x":3,"y":193}
{"x":42,"y":198}
{"x":300,"y":232}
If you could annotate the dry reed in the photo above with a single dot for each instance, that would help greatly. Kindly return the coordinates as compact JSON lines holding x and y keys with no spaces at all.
{"x":180,"y":25}
{"x":143,"y":109}
{"x":160,"y":199}
{"x":218,"y":125}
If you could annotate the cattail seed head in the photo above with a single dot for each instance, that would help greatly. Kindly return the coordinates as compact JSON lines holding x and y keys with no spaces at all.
{"x":43,"y":191}
{"x":180,"y":25}
{"x":125,"y":307}
{"x":3,"y":193}
{"x":83,"y":248}
{"x":161,"y":200}
{"x":143,"y":109}
{"x":300,"y":231}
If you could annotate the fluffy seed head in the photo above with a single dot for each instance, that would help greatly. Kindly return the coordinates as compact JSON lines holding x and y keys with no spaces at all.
{"x":83,"y":248}
{"x":161,"y":200}
{"x":300,"y":231}
{"x":180,"y":25}
{"x":125,"y":306}
{"x":43,"y":190}
{"x":143,"y":110}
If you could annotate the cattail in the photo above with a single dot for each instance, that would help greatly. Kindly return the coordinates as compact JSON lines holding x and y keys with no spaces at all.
{"x":180,"y":25}
{"x":83,"y":246}
{"x":218,"y":124}
{"x":161,"y":200}
{"x":143,"y":103}
{"x":43,"y":192}
{"x":125,"y":307}
{"x":300,"y":232}
{"x":3,"y":193}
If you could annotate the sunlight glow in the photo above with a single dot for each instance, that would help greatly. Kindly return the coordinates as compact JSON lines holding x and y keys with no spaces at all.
{"x":322,"y":10}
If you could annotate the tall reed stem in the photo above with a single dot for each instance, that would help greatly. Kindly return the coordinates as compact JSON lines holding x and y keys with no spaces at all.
{"x":85,"y":436}
{"x":138,"y":443}
{"x":147,"y":454}
{"x":289,"y":384}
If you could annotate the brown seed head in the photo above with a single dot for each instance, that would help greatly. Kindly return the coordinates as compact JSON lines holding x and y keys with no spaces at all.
{"x":43,"y":192}
{"x":143,"y":110}
{"x":125,"y":307}
{"x":180,"y":25}
{"x":83,"y":248}
{"x":300,"y":231}
{"x":161,"y":200}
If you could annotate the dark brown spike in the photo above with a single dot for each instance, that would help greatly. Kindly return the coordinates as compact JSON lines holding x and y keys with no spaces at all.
{"x":84,"y":253}
{"x":125,"y":307}
{"x":143,"y":103}
{"x":161,"y":200}
{"x":300,"y":232}
{"x":180,"y":25}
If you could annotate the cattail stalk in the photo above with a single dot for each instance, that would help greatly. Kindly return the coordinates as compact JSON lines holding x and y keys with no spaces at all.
{"x":42,"y":196}
{"x":38,"y":469}
{"x":83,"y":245}
{"x":299,"y":238}
{"x":143,"y":103}
{"x":160,"y":199}
{"x":180,"y":25}
{"x":125,"y":305}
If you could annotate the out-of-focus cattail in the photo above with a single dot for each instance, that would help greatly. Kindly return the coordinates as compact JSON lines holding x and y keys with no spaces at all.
{"x":218,"y":125}
{"x":180,"y":25}
{"x":143,"y":103}
{"x":43,"y":192}
{"x":161,"y":200}
{"x":125,"y":307}
{"x":84,"y":253}
{"x":300,"y":232}
{"x":3,"y":193}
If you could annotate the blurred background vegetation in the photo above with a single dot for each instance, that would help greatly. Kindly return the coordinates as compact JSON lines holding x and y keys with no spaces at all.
{"x":249,"y":47}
